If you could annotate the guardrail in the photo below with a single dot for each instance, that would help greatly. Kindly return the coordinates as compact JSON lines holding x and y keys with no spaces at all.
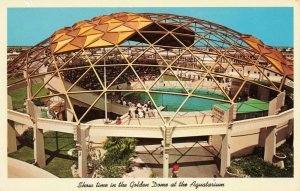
{"x":257,"y":123}
{"x":151,"y":131}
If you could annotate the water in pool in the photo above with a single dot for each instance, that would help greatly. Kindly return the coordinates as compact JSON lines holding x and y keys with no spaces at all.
{"x":172,"y":102}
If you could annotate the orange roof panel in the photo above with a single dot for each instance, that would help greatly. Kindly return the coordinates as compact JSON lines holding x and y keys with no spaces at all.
{"x":79,"y":42}
{"x":121,"y":29}
{"x":61,"y":44}
{"x":99,"y":43}
{"x":112,"y":29}
{"x":111,"y":37}
{"x":68,"y":47}
{"x":91,"y":38}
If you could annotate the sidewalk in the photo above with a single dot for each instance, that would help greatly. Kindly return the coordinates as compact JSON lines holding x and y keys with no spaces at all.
{"x":196,"y":158}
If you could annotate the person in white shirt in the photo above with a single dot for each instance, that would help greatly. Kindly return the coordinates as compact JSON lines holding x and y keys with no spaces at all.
{"x":141,"y":114}
{"x":129,"y":103}
{"x":124,"y":102}
{"x":139,"y":105}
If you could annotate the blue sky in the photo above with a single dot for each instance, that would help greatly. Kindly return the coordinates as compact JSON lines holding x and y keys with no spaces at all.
{"x":274,"y":26}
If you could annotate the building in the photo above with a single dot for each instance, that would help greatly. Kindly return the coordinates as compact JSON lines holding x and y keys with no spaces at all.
{"x":90,"y":68}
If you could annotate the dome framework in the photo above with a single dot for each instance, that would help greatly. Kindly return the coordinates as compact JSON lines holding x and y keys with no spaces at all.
{"x":94,"y":57}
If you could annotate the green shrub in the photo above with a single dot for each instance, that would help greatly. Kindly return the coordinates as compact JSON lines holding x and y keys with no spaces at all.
{"x":254,"y":165}
{"x":232,"y":170}
{"x":116,"y":160}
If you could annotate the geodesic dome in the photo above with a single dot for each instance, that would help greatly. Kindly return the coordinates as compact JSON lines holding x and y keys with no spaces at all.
{"x":143,"y":52}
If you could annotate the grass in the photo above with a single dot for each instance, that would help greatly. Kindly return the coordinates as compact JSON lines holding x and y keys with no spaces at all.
{"x":20,"y":94}
{"x":58,"y":162}
{"x":255,"y":166}
{"x":25,"y":153}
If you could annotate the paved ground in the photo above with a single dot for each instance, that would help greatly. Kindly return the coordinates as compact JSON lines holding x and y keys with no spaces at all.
{"x":195,"y":157}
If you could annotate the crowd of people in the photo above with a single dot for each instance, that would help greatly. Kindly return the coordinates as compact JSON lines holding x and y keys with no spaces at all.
{"x":90,"y":81}
{"x":137,"y":109}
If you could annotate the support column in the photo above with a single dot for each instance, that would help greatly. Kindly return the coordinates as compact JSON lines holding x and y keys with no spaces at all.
{"x":11,"y":137}
{"x":11,"y":132}
{"x":165,"y":162}
{"x":228,"y":117}
{"x":270,"y":139}
{"x":38,"y":140}
{"x":166,"y":146}
{"x":82,"y":153}
{"x":225,"y":153}
{"x":209,"y":141}
{"x":68,"y":111}
{"x":270,"y":144}
{"x":39,"y":147}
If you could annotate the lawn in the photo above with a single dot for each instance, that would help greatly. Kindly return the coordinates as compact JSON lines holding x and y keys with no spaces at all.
{"x":254,"y":165}
{"x":20,"y":94}
{"x":58,"y":162}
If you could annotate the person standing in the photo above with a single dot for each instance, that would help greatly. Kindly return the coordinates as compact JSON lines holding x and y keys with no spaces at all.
{"x":175,"y":170}
{"x":118,"y":122}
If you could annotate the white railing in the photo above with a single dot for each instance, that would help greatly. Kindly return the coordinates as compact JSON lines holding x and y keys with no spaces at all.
{"x":54,"y":125}
{"x":261,"y":122}
{"x":19,"y":117}
{"x":155,"y":131}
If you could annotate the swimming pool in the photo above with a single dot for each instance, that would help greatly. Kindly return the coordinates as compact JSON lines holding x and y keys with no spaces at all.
{"x":173,"y":102}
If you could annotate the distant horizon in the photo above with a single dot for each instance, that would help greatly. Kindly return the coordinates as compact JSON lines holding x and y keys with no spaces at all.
{"x":272,"y":25}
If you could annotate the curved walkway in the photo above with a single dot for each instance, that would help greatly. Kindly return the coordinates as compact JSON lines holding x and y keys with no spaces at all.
{"x":20,"y":169}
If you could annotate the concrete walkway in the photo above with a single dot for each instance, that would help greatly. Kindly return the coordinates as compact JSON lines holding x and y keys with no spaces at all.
{"x":20,"y":169}
{"x":194,"y":156}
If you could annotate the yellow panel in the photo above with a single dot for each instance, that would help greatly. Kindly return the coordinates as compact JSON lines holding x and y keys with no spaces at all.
{"x":113,"y":21}
{"x":141,"y":19}
{"x":63,"y":37}
{"x":252,"y":44}
{"x":78,"y":24}
{"x":99,"y":43}
{"x":111,"y":26}
{"x":275,"y":63}
{"x":131,"y":17}
{"x":123,"y":36}
{"x":143,"y":24}
{"x":92,"y":32}
{"x":57,"y":36}
{"x":104,"y":19}
{"x":121,"y":29}
{"x":68,"y":47}
{"x":86,"y":25}
{"x":61,"y":44}
{"x":82,"y":30}
{"x":134,"y":25}
{"x":91,"y":38}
